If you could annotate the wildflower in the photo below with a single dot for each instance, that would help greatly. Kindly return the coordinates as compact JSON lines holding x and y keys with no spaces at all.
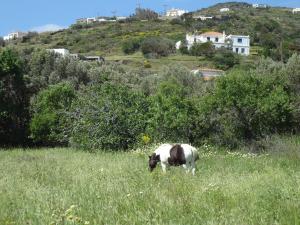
{"x":145,"y":138}
{"x":86,"y":223}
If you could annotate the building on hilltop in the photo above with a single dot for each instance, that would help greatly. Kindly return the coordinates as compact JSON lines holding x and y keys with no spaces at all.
{"x":91,"y":20}
{"x":260,"y":6}
{"x":14,"y":35}
{"x":224,"y":10}
{"x":200,"y":17}
{"x":239,"y":44}
{"x":175,"y":12}
{"x":296,"y":10}
{"x":60,"y":51}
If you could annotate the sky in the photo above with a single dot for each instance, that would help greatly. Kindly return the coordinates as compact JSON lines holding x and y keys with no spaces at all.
{"x":47,"y":15}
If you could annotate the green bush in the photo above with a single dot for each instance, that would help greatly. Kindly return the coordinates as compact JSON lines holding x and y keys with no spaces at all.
{"x":14,"y":100}
{"x":206,"y":49}
{"x":48,"y":124}
{"x":154,"y":47}
{"x":131,"y":46}
{"x":225,"y":59}
{"x":108,"y":116}
{"x":171,"y":114}
{"x":245,"y":107}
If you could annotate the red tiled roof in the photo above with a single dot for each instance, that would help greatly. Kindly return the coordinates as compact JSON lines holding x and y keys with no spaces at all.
{"x":212,"y":33}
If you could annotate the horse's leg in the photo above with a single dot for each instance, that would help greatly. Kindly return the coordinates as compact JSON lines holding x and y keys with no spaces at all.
{"x":164,"y":167}
{"x":185,"y":168}
{"x":193,"y":167}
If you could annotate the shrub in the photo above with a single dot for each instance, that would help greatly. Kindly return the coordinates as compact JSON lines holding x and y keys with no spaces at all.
{"x":245,"y":107}
{"x":48,"y":124}
{"x":14,"y":100}
{"x":154,"y":47}
{"x":108,"y":116}
{"x":225,"y":59}
{"x":204,"y":49}
{"x":171,"y":114}
{"x":131,"y":46}
{"x":145,"y":14}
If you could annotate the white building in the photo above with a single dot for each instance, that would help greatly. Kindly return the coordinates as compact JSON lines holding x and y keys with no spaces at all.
{"x":260,"y":6}
{"x":14,"y":35}
{"x":175,"y":12}
{"x":238,"y":43}
{"x":200,"y":17}
{"x":60,"y":51}
{"x":296,"y":10}
{"x":224,"y":10}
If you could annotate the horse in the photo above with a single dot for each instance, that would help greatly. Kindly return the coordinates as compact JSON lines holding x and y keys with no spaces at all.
{"x":174,"y":155}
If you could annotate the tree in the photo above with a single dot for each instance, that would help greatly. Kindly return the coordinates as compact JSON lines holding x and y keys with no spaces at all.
{"x":131,"y":46}
{"x":48,"y":124}
{"x":108,"y":116}
{"x":14,"y":100}
{"x":225,"y":59}
{"x":2,"y":42}
{"x":145,"y":14}
{"x":171,"y":114}
{"x":154,"y":47}
{"x":206,"y":49}
{"x":245,"y":107}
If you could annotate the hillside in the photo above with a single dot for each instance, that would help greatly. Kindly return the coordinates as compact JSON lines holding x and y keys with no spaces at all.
{"x":274,"y":32}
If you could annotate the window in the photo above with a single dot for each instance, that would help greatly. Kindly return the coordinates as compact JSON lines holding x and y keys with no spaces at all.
{"x":243,"y":50}
{"x":240,"y":40}
{"x":237,"y":50}
{"x":217,"y":39}
{"x":208,"y":38}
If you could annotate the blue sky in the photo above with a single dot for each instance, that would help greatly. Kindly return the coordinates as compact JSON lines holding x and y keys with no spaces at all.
{"x":27,"y":15}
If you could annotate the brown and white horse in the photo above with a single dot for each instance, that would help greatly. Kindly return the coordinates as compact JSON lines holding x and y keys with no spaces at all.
{"x":174,"y":155}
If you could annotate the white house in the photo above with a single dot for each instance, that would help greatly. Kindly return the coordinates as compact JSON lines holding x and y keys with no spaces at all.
{"x":175,"y":12}
{"x":238,"y":43}
{"x":224,"y":10}
{"x":260,"y":6}
{"x":200,"y":17}
{"x":296,"y":10}
{"x":14,"y":35}
{"x":60,"y":51}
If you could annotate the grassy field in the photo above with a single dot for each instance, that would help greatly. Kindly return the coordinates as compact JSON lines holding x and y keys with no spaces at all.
{"x":64,"y":186}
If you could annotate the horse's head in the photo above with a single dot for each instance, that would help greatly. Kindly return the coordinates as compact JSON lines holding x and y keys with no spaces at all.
{"x":153,"y":160}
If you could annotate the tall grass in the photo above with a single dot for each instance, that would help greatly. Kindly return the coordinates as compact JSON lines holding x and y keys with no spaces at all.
{"x":64,"y":186}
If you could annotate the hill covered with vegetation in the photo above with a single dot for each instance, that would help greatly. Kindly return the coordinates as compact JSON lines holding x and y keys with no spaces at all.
{"x":274,"y":32}
{"x":151,"y":94}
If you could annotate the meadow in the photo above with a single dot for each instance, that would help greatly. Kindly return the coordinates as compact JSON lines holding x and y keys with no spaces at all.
{"x":66,"y":186}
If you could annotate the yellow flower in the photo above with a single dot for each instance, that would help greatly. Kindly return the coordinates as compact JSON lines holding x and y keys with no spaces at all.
{"x":146,"y":139}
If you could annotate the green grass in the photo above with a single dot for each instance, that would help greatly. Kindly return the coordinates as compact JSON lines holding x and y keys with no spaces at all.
{"x":64,"y":186}
{"x":137,"y":61}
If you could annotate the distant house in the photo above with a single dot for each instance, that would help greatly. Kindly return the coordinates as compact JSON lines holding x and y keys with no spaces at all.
{"x":224,"y":10}
{"x":260,"y":6}
{"x":175,"y":12}
{"x":93,"y":58}
{"x":91,"y":20}
{"x":296,"y":10}
{"x":239,"y":44}
{"x":200,"y":17}
{"x":14,"y":35}
{"x":208,"y":74}
{"x":60,"y":51}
